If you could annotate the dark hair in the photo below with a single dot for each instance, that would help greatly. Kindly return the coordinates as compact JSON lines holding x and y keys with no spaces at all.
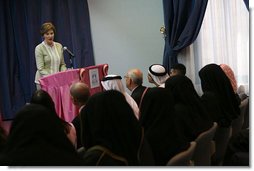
{"x":42,"y":97}
{"x":179,"y":67}
{"x":46,"y":27}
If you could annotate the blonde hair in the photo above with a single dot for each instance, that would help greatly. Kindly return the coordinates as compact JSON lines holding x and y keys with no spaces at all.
{"x":46,"y":27}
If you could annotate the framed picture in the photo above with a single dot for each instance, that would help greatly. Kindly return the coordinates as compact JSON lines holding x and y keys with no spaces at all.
{"x":94,"y":78}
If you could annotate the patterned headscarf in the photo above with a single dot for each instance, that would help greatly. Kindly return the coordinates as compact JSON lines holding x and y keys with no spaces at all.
{"x":230,"y":74}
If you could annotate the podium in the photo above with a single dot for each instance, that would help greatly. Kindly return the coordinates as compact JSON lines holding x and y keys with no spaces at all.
{"x":58,"y":87}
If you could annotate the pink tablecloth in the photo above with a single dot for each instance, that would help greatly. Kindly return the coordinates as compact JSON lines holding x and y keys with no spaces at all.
{"x":58,"y":86}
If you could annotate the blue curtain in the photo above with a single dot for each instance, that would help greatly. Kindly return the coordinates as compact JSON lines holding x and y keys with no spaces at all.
{"x":20,"y":22}
{"x":182,"y":19}
{"x":246,"y":4}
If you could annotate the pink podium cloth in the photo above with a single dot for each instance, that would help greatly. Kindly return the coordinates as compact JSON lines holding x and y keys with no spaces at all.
{"x":58,"y":86}
{"x":93,"y":75}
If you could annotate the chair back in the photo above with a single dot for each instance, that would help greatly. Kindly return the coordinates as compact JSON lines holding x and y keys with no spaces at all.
{"x":237,"y":123}
{"x":145,"y":155}
{"x":203,"y":152}
{"x":221,"y":138}
{"x":244,"y":108}
{"x":183,"y":158}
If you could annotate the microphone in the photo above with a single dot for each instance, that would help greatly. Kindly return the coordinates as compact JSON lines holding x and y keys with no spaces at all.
{"x":66,"y":49}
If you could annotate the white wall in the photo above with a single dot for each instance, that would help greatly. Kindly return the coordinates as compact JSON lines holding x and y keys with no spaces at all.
{"x":125,"y":34}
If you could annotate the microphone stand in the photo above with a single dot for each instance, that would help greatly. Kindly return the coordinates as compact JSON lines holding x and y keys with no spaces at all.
{"x":71,"y":63}
{"x":71,"y":55}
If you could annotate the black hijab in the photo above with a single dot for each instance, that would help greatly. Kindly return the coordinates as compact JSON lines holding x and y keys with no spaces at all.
{"x":109,"y":121}
{"x":214,"y":81}
{"x":157,"y":118}
{"x":191,"y":115}
{"x":37,"y":138}
{"x":42,"y":97}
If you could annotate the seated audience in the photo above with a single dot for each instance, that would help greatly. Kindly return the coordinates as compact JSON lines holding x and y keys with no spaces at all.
{"x":43,"y":98}
{"x":178,"y":69}
{"x":37,"y":138}
{"x":218,"y":95}
{"x":113,"y":82}
{"x":111,"y":134}
{"x":134,"y":81}
{"x":191,"y":115}
{"x":80,"y":93}
{"x":157,"y":118}
{"x":231,"y":76}
{"x":157,"y":75}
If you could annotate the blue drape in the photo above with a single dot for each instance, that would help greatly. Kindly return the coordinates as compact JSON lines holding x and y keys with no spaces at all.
{"x":182,"y":19}
{"x":246,"y":4}
{"x":20,"y":22}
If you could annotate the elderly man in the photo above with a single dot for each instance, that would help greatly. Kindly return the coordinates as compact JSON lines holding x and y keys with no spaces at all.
{"x":80,"y":93}
{"x":134,"y":81}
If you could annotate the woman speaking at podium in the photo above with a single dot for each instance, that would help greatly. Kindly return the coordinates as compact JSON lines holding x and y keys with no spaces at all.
{"x":48,"y":54}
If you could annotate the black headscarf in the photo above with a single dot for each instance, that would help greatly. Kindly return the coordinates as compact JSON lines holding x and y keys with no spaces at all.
{"x":43,"y":98}
{"x":191,"y":115}
{"x":109,"y":121}
{"x":214,"y":81}
{"x":37,"y":138}
{"x":157,"y":118}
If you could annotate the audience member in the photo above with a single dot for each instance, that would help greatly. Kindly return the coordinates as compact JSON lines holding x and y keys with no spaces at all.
{"x":219,"y":97}
{"x":178,"y":69}
{"x":111,"y":133}
{"x":43,"y":98}
{"x":231,"y":76}
{"x":80,"y":93}
{"x":134,"y":81}
{"x":191,"y":116}
{"x":113,"y":82}
{"x":37,"y":138}
{"x":157,"y":75}
{"x":157,"y":118}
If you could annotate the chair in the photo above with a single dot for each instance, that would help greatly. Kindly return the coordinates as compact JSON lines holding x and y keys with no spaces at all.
{"x":81,"y":151}
{"x":221,"y":138}
{"x":203,"y":151}
{"x":145,"y":155}
{"x":237,"y":123}
{"x":245,"y":110}
{"x":183,"y":158}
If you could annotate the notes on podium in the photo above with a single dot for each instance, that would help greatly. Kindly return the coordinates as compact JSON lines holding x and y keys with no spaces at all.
{"x":58,"y":86}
